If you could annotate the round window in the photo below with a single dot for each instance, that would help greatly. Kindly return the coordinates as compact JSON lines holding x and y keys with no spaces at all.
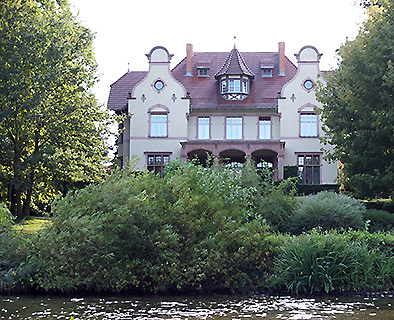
{"x":308,"y":84}
{"x":159,"y":85}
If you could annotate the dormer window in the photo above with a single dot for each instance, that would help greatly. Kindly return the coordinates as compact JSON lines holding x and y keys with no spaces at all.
{"x":234,"y":85}
{"x":267,"y":67}
{"x":266,"y":72}
{"x":234,"y":89}
{"x":202,"y":72}
{"x":203,"y":68}
{"x":234,"y":77}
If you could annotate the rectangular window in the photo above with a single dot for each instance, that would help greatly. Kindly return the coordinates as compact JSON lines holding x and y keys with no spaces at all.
{"x":203,"y":128}
{"x":234,"y":128}
{"x":266,"y":72}
{"x":308,"y":125}
{"x":155,"y":163}
{"x":245,"y":87}
{"x":309,"y":169}
{"x":203,"y":72}
{"x":158,"y":125}
{"x":264,"y":128}
{"x":234,"y":85}
{"x":223,"y":86}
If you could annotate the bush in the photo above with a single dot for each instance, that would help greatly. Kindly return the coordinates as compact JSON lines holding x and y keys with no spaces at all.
{"x":194,"y":228}
{"x":328,"y":210}
{"x":379,"y":220}
{"x":12,"y":254}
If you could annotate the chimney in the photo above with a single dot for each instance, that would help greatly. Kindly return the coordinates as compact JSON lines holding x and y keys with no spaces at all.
{"x":282,"y":59}
{"x":189,"y":59}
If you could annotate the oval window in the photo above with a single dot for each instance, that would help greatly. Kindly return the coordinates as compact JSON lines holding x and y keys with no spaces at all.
{"x":159,"y":85}
{"x":308,"y":84}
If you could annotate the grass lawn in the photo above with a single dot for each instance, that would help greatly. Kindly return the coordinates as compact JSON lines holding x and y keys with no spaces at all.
{"x":32,"y":225}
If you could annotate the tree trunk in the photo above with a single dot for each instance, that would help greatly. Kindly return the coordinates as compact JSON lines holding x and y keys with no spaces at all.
{"x":27,"y":202}
{"x":18,"y":202}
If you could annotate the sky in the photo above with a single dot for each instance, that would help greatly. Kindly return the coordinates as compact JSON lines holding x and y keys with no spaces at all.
{"x":126,"y":30}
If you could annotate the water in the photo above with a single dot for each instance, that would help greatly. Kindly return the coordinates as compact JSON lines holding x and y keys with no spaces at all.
{"x":217,"y":307}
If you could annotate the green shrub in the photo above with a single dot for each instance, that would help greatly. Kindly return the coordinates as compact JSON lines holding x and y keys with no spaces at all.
{"x":12,"y":254}
{"x":194,"y":228}
{"x":328,"y":210}
{"x":379,"y":220}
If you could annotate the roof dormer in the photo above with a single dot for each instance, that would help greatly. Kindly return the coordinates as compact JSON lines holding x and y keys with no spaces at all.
{"x":234,"y":77}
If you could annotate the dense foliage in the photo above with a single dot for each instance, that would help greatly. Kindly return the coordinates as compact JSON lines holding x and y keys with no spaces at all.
{"x":358,"y":105}
{"x":52,"y":132}
{"x":195,"y":228}
{"x":199,"y":230}
{"x":12,"y":255}
{"x":327,"y":210}
{"x":330,"y":261}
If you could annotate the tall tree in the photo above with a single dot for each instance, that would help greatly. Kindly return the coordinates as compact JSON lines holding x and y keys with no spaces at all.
{"x":52,"y":131}
{"x":358,"y":105}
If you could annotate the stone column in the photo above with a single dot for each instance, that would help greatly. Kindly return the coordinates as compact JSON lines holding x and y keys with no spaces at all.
{"x":280,"y":167}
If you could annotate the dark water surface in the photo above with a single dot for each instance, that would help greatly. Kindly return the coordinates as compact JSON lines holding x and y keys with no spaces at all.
{"x":212,"y":307}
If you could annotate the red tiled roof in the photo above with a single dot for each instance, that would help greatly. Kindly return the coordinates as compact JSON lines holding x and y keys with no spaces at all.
{"x":234,"y":64}
{"x":205,"y":91}
{"x":120,"y":89}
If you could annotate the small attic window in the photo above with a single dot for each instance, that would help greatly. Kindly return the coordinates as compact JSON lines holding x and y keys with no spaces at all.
{"x":266,"y":72}
{"x":266,"y":66}
{"x":202,"y":72}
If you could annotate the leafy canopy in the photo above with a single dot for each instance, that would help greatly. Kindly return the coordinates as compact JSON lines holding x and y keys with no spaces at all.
{"x":358,"y":105}
{"x":51,"y":129}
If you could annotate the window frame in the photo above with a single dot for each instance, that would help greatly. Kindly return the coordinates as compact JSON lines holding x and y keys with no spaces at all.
{"x":157,"y":167}
{"x":202,"y":72}
{"x":234,"y":131}
{"x":268,"y":123}
{"x":315,"y":169}
{"x":309,"y":129}
{"x":164,"y":124}
{"x":206,"y":132}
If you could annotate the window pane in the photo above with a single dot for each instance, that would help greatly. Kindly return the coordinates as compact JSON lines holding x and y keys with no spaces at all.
{"x":233,"y":128}
{"x":203,"y":128}
{"x":301,"y":174}
{"x":151,"y":160}
{"x":158,"y":160}
{"x":234,"y":85}
{"x":309,"y":125}
{"x":316,"y":160}
{"x":158,"y":125}
{"x":308,"y":175}
{"x":300,"y":160}
{"x":223,"y":86}
{"x":316,"y":175}
{"x":308,"y":160}
{"x":265,"y":129}
{"x":166,"y":159}
{"x":245,"y":87}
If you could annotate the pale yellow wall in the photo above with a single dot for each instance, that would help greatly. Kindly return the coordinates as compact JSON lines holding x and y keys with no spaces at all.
{"x":308,"y":68}
{"x":159,"y":69}
{"x":218,"y":123}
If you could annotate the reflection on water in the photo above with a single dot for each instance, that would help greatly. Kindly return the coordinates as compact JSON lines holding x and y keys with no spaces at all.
{"x":217,"y":307}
